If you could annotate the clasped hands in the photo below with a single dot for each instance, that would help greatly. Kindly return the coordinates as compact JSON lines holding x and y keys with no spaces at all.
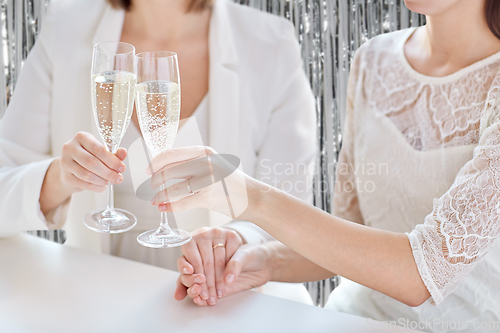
{"x":216,"y":264}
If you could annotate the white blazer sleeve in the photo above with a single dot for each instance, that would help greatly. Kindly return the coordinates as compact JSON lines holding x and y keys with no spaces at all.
{"x":286,"y":156}
{"x":25,"y":142}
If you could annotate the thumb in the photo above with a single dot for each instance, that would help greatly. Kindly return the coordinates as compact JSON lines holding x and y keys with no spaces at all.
{"x":180,"y":291}
{"x":235,"y":266}
{"x":121,"y":153}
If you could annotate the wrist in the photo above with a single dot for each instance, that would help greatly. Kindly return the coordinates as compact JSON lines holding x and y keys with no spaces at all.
{"x":270,"y":260}
{"x":54,"y":190}
{"x":64,"y":189}
{"x":257,"y":193}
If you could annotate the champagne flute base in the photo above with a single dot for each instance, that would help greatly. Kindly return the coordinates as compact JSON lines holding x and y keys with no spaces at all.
{"x":153,"y":239}
{"x":121,"y":222}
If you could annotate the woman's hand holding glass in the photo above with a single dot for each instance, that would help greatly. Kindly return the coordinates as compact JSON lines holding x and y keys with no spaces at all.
{"x":87,"y":165}
{"x":210,"y":271}
{"x":213,"y":182}
{"x":113,"y":81}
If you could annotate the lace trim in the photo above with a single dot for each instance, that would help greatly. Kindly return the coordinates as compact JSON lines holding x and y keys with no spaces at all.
{"x":422,"y":267}
{"x":429,"y":115}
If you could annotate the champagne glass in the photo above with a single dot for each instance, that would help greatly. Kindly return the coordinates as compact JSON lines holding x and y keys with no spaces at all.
{"x":158,"y":96}
{"x":113,"y":84}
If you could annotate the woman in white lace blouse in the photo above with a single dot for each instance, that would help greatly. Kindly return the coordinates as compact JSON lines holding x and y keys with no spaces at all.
{"x":419,"y":172}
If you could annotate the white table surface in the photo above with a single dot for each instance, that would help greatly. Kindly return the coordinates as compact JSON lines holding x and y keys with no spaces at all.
{"x":46,"y":287}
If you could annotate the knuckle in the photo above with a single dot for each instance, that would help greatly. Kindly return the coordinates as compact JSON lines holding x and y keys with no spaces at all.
{"x":94,"y":188}
{"x":180,"y":261}
{"x":90,"y":161}
{"x":198,"y":235}
{"x":234,"y":264}
{"x":97,"y":150}
{"x":220,"y":262}
{"x":91,"y":188}
{"x":79,"y":136}
{"x":198,"y":267}
{"x":231,"y":235}
{"x":116,"y":163}
{"x":218,"y":232}
{"x":87,"y":176}
{"x":100,"y":189}
{"x":86,"y":186}
{"x":66,"y":147}
{"x":111,"y":175}
{"x":208,"y":265}
{"x":204,"y":231}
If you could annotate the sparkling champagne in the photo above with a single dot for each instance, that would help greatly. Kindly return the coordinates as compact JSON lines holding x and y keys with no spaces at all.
{"x":113,"y":102}
{"x":158,"y":109}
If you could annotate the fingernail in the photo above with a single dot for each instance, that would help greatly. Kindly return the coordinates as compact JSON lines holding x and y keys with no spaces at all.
{"x":121,"y":169}
{"x":194,"y":289}
{"x":147,"y":171}
{"x":162,"y":206}
{"x":219,"y":294}
{"x":153,"y":202}
{"x":211,"y":301}
{"x":119,"y":179}
{"x":198,"y":279}
{"x":184,"y":270}
{"x":204,"y":295}
{"x":194,"y":301}
{"x":229,"y":278}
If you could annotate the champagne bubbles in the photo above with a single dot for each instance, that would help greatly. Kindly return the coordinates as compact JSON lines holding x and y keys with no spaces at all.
{"x":113,"y":100}
{"x":158,"y":110}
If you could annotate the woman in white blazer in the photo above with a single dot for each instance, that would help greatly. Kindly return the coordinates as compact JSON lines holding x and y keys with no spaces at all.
{"x":259,"y":108}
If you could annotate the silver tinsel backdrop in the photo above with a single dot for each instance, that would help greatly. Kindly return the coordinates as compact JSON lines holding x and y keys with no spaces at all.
{"x":329,"y":32}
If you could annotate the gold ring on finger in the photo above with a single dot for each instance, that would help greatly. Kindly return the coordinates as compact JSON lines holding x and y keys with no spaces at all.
{"x":188,"y":187}
{"x":218,"y":245}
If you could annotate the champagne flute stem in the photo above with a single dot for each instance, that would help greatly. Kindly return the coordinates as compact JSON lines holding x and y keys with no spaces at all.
{"x":110,"y":207}
{"x":164,"y":228}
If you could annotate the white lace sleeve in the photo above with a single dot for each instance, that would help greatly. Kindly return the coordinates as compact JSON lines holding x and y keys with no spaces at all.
{"x":345,"y":199}
{"x":464,"y":223}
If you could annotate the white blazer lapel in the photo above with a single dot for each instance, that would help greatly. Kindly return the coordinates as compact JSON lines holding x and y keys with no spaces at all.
{"x":110,"y":27}
{"x":223,"y":83}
